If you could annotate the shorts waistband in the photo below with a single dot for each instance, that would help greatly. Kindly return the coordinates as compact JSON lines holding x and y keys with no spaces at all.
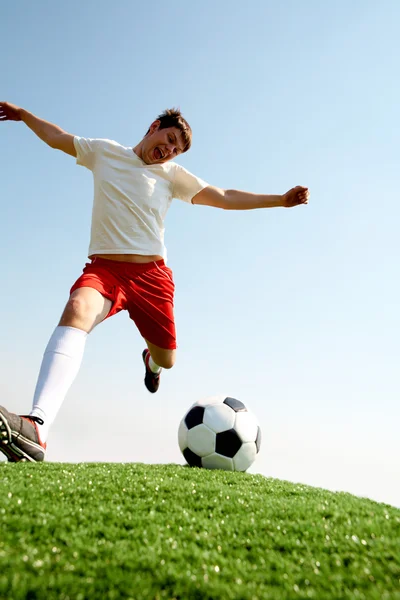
{"x":131,"y":266}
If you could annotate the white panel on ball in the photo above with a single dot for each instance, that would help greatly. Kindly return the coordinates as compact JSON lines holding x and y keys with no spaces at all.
{"x":246,"y":426}
{"x":216,"y":461}
{"x":219,"y":417}
{"x":210,"y":400}
{"x":182,"y":435}
{"x":201,"y":440}
{"x":245,"y":456}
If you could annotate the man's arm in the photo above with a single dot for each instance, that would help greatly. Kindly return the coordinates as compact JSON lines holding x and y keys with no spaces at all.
{"x":237,"y":200}
{"x":53,"y":135}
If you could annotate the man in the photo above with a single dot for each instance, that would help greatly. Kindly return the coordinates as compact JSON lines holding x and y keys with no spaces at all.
{"x":133,"y":189}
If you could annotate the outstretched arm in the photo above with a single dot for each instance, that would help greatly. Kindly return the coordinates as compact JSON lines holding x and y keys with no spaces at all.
{"x":53,"y":135}
{"x":237,"y":200}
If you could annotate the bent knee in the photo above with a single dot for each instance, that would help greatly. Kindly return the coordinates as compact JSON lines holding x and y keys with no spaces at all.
{"x":165,"y":358}
{"x":167,"y":362}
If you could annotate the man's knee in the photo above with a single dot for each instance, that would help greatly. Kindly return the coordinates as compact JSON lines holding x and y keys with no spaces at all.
{"x":85,"y":308}
{"x":162,"y":357}
{"x":77,"y":307}
{"x":167,"y":361}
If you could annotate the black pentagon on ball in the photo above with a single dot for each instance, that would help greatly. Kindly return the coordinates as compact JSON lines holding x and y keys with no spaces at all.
{"x":194,"y":416}
{"x":258,"y":439}
{"x":191,"y":458}
{"x":228,"y":443}
{"x":235,"y":405}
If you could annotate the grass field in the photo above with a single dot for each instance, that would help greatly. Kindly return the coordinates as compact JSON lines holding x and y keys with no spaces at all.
{"x":103,"y":531}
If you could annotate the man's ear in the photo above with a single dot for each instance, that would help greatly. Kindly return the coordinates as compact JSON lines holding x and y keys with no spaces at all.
{"x":154,"y":127}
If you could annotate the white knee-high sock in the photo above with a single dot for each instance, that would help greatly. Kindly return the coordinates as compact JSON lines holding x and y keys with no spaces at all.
{"x":60,"y":365}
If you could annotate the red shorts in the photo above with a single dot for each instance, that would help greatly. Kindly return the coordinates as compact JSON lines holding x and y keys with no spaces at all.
{"x":146,"y":291}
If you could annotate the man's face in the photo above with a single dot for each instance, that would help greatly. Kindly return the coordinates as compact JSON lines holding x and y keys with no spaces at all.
{"x":161,"y":145}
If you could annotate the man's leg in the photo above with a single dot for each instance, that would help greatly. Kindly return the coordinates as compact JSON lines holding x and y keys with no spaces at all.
{"x":85,"y":308}
{"x":63,"y":356}
{"x":155,"y":359}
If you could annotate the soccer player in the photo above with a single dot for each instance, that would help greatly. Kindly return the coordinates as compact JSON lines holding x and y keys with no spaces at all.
{"x":133,"y":189}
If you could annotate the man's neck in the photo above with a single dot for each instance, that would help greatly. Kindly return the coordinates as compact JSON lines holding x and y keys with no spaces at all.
{"x":138,"y":150}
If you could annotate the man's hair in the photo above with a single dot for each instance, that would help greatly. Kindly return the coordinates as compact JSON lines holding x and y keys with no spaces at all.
{"x":172,"y":117}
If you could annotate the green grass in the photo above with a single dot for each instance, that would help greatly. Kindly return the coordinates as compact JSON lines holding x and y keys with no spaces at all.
{"x":103,"y":531}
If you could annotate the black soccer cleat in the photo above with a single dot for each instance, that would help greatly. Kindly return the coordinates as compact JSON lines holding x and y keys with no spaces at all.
{"x":151,"y":380}
{"x":19,"y":437}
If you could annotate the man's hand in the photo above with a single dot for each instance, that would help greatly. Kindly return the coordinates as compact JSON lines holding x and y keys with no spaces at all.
{"x":295,"y":196}
{"x":10,"y":112}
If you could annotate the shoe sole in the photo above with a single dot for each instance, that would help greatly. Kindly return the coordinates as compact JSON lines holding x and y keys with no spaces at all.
{"x":10,"y":450}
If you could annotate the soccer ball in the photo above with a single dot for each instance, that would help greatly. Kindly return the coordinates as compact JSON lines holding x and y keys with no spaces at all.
{"x":219,"y":433}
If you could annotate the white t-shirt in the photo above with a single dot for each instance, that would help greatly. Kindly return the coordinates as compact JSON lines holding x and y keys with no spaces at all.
{"x":131,"y":198}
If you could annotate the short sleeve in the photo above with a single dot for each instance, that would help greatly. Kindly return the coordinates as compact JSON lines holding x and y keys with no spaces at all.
{"x":88,"y":149}
{"x":187,"y":185}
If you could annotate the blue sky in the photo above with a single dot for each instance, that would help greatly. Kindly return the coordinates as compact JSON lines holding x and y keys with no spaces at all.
{"x":295,"y":312}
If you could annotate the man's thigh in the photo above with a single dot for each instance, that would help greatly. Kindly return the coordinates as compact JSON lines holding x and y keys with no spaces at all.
{"x":150,"y":300}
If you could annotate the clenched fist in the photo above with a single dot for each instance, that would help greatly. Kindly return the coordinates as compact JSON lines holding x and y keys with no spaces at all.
{"x":295,"y":196}
{"x":9,"y":112}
